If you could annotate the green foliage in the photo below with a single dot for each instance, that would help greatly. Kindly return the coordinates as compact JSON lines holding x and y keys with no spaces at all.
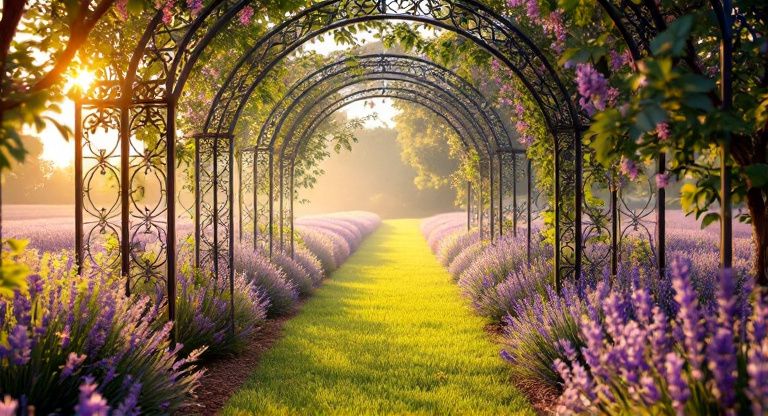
{"x":13,"y":272}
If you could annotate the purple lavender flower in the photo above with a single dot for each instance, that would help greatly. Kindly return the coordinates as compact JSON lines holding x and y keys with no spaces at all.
{"x":649,"y":390}
{"x":130,"y":405}
{"x":757,"y":358}
{"x":74,"y":361}
{"x":676,"y":384}
{"x":722,"y":364}
{"x":689,"y":315}
{"x":91,"y":403}
{"x":3,"y":312}
{"x":20,"y":345}
{"x":22,"y":308}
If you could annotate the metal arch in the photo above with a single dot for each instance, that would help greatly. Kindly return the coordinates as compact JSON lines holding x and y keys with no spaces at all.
{"x":445,"y":102}
{"x":413,"y":96}
{"x":416,"y":67}
{"x":435,"y":89}
{"x":474,"y":117}
{"x":175,"y":48}
{"x":262,"y":211}
{"x":480,"y":25}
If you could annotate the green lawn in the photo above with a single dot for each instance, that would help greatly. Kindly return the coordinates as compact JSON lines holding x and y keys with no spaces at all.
{"x":387,"y":334}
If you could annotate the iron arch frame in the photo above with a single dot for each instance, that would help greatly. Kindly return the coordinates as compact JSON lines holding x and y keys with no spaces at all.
{"x":145,"y":99}
{"x":404,"y":65}
{"x":508,"y":170}
{"x":411,"y":91}
{"x":461,"y":117}
{"x":473,"y":21}
{"x":455,"y":103}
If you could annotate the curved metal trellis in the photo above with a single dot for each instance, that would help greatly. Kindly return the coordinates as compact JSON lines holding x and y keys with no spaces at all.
{"x":126,"y":126}
{"x":429,"y":98}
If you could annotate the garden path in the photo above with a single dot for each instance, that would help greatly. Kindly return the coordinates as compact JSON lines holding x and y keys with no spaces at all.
{"x":388,"y":333}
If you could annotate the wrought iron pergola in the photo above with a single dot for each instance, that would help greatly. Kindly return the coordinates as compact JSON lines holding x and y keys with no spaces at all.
{"x":125,"y":131}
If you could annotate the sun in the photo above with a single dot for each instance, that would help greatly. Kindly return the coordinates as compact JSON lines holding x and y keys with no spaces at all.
{"x":81,"y":81}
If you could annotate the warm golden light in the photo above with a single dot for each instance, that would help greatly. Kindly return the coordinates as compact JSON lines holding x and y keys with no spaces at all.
{"x":81,"y":81}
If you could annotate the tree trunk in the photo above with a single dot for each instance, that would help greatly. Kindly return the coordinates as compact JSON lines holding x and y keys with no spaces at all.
{"x":757,"y":210}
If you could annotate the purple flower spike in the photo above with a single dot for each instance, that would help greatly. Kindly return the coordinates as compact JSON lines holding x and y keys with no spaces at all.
{"x":677,"y":386}
{"x":73,"y":362}
{"x":91,"y":403}
{"x":20,"y":345}
{"x":689,"y":315}
{"x":722,"y":363}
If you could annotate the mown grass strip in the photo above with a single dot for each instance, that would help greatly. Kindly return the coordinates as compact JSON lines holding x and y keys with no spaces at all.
{"x":387,"y":334}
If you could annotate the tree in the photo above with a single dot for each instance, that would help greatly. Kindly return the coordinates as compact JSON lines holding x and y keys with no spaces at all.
{"x":666,"y":100}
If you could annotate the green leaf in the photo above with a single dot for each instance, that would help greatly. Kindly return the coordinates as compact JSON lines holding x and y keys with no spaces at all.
{"x":709,"y":219}
{"x":758,"y":174}
{"x":649,"y":117}
{"x":696,"y":83}
{"x":672,"y":41}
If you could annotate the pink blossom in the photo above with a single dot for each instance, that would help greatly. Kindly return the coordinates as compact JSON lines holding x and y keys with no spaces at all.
{"x":525,"y":139}
{"x":246,"y":15}
{"x":167,"y":8}
{"x":519,"y":109}
{"x":662,"y":130}
{"x":593,"y":88}
{"x":662,"y":180}
{"x":8,"y":406}
{"x":521,"y":127}
{"x":554,"y":27}
{"x":121,"y":6}
{"x":628,"y":168}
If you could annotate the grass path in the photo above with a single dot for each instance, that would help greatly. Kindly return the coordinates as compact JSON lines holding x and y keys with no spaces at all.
{"x":387,"y":334}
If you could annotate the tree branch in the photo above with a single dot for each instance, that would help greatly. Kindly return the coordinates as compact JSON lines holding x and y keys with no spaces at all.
{"x":79,"y":32}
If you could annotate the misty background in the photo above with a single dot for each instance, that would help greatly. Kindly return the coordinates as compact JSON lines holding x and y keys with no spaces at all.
{"x":371,"y":177}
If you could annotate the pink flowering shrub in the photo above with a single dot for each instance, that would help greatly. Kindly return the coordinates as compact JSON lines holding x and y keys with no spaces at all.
{"x":66,"y":332}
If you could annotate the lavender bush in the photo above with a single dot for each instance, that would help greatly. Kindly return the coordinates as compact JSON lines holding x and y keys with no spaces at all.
{"x":698,"y":360}
{"x":294,"y":272}
{"x":266,"y":277}
{"x":203,"y":312}
{"x":455,"y":244}
{"x":310,"y":264}
{"x":320,"y":245}
{"x":68,"y":330}
{"x":463,"y":260}
{"x":504,"y":260}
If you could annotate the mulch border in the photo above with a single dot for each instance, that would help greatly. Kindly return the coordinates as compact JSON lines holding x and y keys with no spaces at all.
{"x":224,"y":376}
